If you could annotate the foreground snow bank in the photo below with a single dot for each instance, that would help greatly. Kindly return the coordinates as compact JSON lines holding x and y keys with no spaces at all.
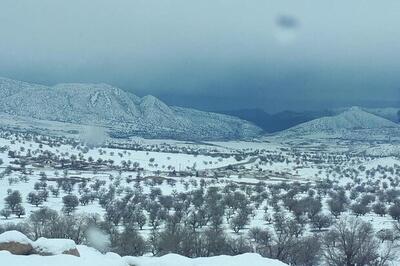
{"x":90,"y":257}
{"x":44,"y":246}
{"x":173,"y":259}
{"x":14,"y":236}
{"x":18,"y":244}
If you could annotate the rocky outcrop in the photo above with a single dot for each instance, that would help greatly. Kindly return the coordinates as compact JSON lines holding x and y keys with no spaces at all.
{"x":16,"y":248}
{"x":16,"y":243}
{"x":73,"y":252}
{"x":49,"y":247}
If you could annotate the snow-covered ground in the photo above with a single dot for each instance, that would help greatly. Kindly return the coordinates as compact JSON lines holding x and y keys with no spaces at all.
{"x":282,"y":162}
{"x":91,"y":257}
{"x":181,"y":166}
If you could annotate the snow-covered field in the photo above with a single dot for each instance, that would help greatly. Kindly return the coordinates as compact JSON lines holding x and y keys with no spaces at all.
{"x":273,"y":176}
{"x":269,"y":161}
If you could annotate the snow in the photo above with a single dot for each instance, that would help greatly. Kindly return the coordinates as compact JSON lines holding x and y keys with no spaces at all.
{"x":173,"y":259}
{"x":354,"y":118}
{"x":257,"y":164}
{"x":14,"y":236}
{"x":384,"y":150}
{"x":390,"y":113}
{"x":387,"y":161}
{"x":54,"y":245}
{"x":122,"y":113}
{"x":91,"y":257}
{"x":7,"y":258}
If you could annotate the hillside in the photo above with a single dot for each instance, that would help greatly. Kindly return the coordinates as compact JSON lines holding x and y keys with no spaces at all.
{"x":123,"y":113}
{"x":390,"y":113}
{"x":353,"y":119}
{"x":279,"y":121}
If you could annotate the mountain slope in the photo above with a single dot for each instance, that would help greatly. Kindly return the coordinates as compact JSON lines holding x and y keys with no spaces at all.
{"x":390,"y":113}
{"x":123,"y":113}
{"x":279,"y":121}
{"x":353,"y":119}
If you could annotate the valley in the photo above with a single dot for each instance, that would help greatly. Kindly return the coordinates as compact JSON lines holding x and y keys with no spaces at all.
{"x":237,"y":186}
{"x":231,"y":191}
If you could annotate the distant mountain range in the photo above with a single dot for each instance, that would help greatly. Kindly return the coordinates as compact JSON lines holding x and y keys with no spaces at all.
{"x":390,"y":113}
{"x":277,"y":122}
{"x":272,"y":123}
{"x":354,"y":118}
{"x":122,"y":113}
{"x":353,"y":124}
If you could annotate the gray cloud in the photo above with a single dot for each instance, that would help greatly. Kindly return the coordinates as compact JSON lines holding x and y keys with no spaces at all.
{"x":212,"y":54}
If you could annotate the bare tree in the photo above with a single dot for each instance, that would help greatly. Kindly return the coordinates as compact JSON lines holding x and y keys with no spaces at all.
{"x":351,"y":242}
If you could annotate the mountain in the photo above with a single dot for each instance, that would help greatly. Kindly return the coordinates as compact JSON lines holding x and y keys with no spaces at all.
{"x":390,"y":113}
{"x":122,"y":113}
{"x":277,"y":122}
{"x":353,"y":119}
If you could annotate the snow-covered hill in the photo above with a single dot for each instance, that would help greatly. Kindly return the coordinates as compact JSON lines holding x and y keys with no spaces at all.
{"x":123,"y":113}
{"x":390,"y":113}
{"x":354,"y":120}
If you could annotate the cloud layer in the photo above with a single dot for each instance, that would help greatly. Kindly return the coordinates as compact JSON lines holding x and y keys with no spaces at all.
{"x":211,"y":54}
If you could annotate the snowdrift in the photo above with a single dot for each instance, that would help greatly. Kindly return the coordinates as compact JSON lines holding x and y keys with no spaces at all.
{"x":91,"y":257}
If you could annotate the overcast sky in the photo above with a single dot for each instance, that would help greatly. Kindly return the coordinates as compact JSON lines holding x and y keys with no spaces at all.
{"x":211,"y":54}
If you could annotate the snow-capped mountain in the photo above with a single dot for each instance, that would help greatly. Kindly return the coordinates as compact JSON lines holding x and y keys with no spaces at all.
{"x":390,"y":113}
{"x":123,"y":113}
{"x":352,"y":120}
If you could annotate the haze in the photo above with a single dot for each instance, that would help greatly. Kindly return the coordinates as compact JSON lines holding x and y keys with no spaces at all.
{"x":212,"y":55}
